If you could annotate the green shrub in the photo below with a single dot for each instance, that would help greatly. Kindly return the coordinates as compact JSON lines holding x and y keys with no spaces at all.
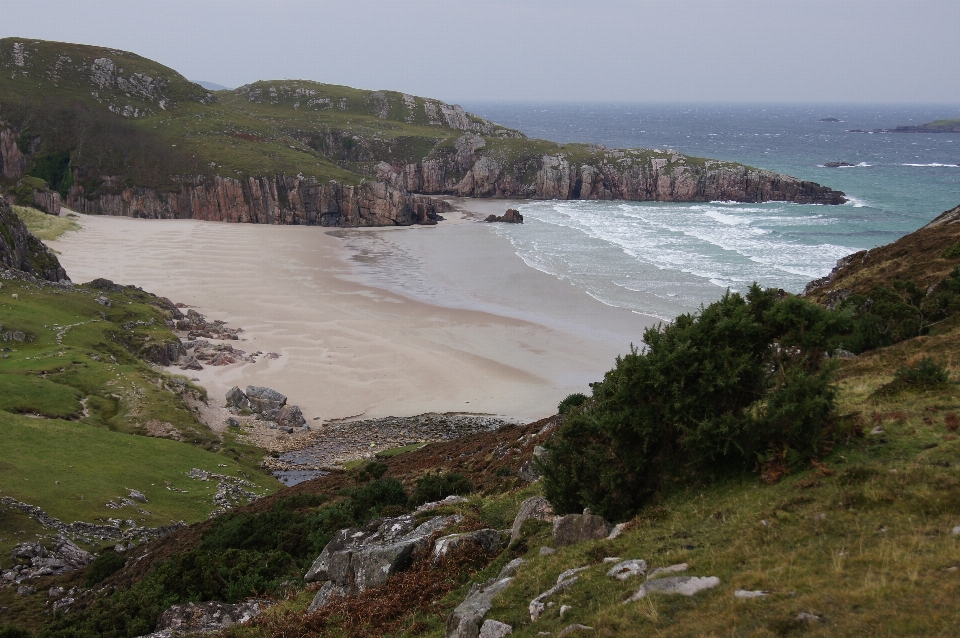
{"x":572,"y":401}
{"x":434,"y":487}
{"x":106,"y":563}
{"x":9,"y":631}
{"x":713,"y":394}
{"x":925,"y":374}
{"x":951,"y":252}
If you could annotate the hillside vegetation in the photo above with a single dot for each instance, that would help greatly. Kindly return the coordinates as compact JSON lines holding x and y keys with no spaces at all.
{"x":850,"y":535}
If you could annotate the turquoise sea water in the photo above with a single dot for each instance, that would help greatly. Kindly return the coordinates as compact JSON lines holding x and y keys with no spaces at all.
{"x":664,"y":259}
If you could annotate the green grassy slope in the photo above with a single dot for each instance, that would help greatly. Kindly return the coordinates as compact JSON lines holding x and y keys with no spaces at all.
{"x":76,"y":392}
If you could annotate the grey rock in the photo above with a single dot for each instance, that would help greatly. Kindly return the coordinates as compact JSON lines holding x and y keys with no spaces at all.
{"x":672,"y":569}
{"x":62,"y":605}
{"x":956,"y":530}
{"x":233,"y":423}
{"x":804,"y":616}
{"x":571,"y":572}
{"x":535,"y":507}
{"x":25,"y":590}
{"x":56,"y":592}
{"x":138,"y":496}
{"x":357,"y":559}
{"x":464,"y":620}
{"x":510,"y":569}
{"x":573,"y":629}
{"x":237,"y":399}
{"x":264,"y":400}
{"x":628,"y":569}
{"x":287,"y":429}
{"x":208,"y":616}
{"x":291,"y":416}
{"x":563,"y":610}
{"x":538,"y":604}
{"x":547,"y":551}
{"x":529,"y":470}
{"x":488,"y":540}
{"x":616,"y":531}
{"x":495,"y":629}
{"x":191,"y":363}
{"x":328,"y":591}
{"x":104,"y":301}
{"x":746,"y":593}
{"x":578,"y":528}
{"x":682,"y":585}
{"x":453,"y":499}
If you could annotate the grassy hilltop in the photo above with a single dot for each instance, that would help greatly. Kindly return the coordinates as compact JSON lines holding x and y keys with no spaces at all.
{"x":92,"y":122}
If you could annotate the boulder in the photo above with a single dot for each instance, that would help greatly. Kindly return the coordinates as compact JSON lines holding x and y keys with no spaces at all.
{"x":578,"y":528}
{"x":573,"y":629}
{"x":487,"y":539}
{"x":682,"y":585}
{"x":357,"y":559}
{"x":265,"y":401}
{"x":464,"y":621}
{"x":672,"y":569}
{"x":529,"y":471}
{"x":512,"y":216}
{"x":203,"y":617}
{"x":328,"y":591}
{"x":291,"y":416}
{"x":628,"y":568}
{"x":495,"y":629}
{"x":535,"y":507}
{"x":237,"y":399}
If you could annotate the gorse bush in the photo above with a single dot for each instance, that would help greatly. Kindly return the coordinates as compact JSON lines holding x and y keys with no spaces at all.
{"x":106,"y":563}
{"x":925,"y":374}
{"x":903,"y":310}
{"x":572,"y":401}
{"x":714,"y":393}
{"x":434,"y":487}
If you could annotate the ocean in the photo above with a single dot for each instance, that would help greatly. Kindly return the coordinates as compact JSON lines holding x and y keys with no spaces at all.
{"x":664,"y":259}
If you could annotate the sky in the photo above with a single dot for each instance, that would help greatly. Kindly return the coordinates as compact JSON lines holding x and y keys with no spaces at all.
{"x":873,"y":51}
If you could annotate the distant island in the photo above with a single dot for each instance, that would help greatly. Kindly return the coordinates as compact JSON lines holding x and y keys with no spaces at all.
{"x":829,"y":119}
{"x":937,"y":126}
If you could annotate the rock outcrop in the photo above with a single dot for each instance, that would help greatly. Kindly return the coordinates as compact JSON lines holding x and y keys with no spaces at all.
{"x":358,"y":559}
{"x":12,"y":161}
{"x":269,"y":200}
{"x":20,"y":250}
{"x":191,"y":618}
{"x":578,"y":528}
{"x":464,"y":621}
{"x":512,"y":216}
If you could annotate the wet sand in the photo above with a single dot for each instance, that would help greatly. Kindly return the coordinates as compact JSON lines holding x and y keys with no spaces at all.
{"x":472,"y":328}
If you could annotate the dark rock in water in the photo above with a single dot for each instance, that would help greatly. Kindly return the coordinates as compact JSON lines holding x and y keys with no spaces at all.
{"x":577,"y":528}
{"x":829,"y":119}
{"x":265,"y":401}
{"x":512,"y":216}
{"x":291,"y":416}
{"x":21,"y":250}
{"x":837,"y":164}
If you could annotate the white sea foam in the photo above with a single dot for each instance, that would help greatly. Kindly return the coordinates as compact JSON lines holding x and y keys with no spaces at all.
{"x":933,"y":165}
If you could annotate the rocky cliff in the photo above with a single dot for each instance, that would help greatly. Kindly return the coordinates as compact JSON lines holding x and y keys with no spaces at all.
{"x":20,"y":250}
{"x":634,"y":174}
{"x":269,"y":200}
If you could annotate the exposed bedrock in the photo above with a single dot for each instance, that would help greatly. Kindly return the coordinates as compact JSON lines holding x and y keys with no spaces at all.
{"x":270,"y":200}
{"x":639,"y":175}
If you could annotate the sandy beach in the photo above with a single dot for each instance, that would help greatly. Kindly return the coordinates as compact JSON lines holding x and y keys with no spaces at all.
{"x":370,"y":322}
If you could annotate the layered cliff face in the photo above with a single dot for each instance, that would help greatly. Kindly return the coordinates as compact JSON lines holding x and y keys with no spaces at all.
{"x":639,"y":175}
{"x":274,"y":200}
{"x":20,"y":250}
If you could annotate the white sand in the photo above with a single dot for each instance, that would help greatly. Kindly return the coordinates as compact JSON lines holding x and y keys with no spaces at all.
{"x":349,"y":348}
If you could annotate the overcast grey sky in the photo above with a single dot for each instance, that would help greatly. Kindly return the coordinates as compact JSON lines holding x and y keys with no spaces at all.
{"x":538,"y":50}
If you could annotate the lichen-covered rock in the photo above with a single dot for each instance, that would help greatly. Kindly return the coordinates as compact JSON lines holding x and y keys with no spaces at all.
{"x":577,"y":528}
{"x":535,"y":507}
{"x":204,"y":617}
{"x":291,"y":416}
{"x":464,"y":621}
{"x":489,"y":540}
{"x":265,"y":401}
{"x":682,"y":585}
{"x":357,"y":559}
{"x":20,"y":250}
{"x":237,"y":399}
